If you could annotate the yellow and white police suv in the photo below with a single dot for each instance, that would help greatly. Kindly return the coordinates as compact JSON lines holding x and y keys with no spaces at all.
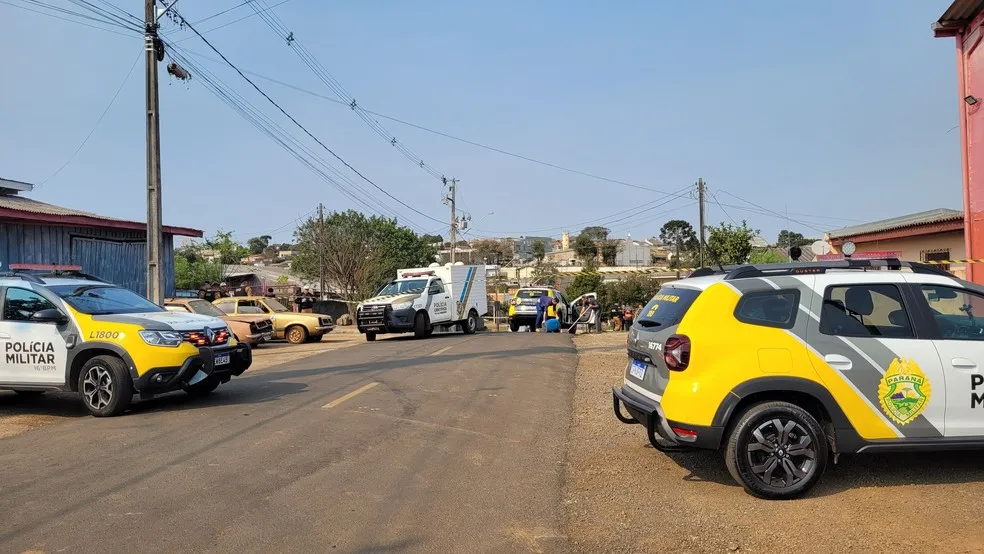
{"x":785,"y":366}
{"x":73,"y":332}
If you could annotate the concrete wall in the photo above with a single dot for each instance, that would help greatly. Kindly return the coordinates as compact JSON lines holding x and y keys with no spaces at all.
{"x":970,"y":82}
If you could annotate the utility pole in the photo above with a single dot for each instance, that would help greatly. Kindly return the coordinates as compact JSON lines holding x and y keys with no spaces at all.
{"x":321,"y":247}
{"x":703,"y":225}
{"x":450,"y":199}
{"x":155,"y":254}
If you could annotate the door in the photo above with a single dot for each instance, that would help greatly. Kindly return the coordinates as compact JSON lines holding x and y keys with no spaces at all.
{"x":438,"y":302}
{"x":959,"y":315}
{"x":867,"y":335}
{"x":32,"y":353}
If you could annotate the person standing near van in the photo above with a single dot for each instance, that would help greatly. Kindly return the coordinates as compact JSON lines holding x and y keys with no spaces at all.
{"x":305,"y":302}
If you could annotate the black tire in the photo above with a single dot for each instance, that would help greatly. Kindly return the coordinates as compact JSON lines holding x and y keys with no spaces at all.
{"x":28,"y":394}
{"x":513,"y":325}
{"x":105,"y":386}
{"x":315,"y":338}
{"x":421,"y":326}
{"x":296,"y":334}
{"x":370,"y":337}
{"x":203,"y":387}
{"x":470,"y":325}
{"x":782,"y":427}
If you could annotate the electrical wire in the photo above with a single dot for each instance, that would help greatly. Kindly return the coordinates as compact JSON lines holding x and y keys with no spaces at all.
{"x":718,"y":202}
{"x":70,"y":20}
{"x":766,"y":211}
{"x":228,"y":23}
{"x":98,"y":121}
{"x":280,"y":28}
{"x":298,"y":124}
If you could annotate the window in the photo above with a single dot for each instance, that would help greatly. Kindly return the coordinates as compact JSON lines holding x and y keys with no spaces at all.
{"x":21,"y":304}
{"x":176,"y":308}
{"x":436,"y":287}
{"x":104,"y":300}
{"x":936,"y":256}
{"x":865,"y":311}
{"x":667,"y":308}
{"x":956,"y":312}
{"x":227,"y":307}
{"x":204,"y":307}
{"x":774,"y":308}
{"x":251,"y":307}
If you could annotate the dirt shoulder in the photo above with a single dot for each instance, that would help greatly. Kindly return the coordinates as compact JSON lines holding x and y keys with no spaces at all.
{"x":624,"y":496}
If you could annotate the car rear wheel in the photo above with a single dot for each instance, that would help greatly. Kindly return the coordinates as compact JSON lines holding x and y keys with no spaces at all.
{"x":777,"y":450}
{"x":315,"y":338}
{"x":105,"y":386}
{"x":296,"y":334}
{"x":471,"y":324}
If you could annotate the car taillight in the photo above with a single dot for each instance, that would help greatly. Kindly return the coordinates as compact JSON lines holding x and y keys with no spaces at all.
{"x":676,"y":352}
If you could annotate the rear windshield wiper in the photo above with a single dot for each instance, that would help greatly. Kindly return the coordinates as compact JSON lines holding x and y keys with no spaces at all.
{"x":648,"y":323}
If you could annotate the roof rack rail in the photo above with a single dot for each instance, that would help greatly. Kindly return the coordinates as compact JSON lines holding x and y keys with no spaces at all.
{"x":707,"y":271}
{"x":808,"y":268}
{"x":69,"y":273}
{"x":20,"y":275}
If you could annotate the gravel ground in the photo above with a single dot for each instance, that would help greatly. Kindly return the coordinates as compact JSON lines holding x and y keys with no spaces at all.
{"x":624,"y":496}
{"x":19,"y":415}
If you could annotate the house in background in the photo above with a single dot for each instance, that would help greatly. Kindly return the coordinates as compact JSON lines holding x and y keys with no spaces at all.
{"x":929,"y":236}
{"x":36,"y":233}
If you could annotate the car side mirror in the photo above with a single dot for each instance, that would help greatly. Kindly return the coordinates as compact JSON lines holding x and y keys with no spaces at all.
{"x":49,"y":315}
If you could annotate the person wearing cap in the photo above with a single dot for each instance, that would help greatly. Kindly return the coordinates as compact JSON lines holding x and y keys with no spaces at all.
{"x":304,"y":303}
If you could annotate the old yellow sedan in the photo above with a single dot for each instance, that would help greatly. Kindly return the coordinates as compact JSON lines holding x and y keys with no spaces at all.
{"x":295,"y":327}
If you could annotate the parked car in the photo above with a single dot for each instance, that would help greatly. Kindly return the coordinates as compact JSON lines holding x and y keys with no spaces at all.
{"x":251,"y":329}
{"x":295,"y":327}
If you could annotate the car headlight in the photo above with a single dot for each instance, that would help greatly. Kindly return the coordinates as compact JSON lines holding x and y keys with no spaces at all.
{"x":162,"y":338}
{"x":403,"y":305}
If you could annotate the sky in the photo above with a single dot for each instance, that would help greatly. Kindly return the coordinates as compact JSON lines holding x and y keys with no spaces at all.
{"x":833,"y":112}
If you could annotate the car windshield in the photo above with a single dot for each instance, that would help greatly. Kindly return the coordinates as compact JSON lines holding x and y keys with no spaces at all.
{"x":403,"y":287}
{"x":274,"y":306}
{"x":104,"y":300}
{"x":667,"y":308}
{"x":204,"y":307}
{"x":530,"y":293}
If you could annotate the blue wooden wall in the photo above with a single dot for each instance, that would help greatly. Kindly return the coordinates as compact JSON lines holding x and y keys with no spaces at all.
{"x":114,"y":255}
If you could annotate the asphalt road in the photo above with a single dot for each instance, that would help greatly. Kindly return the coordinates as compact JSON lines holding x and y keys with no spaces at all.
{"x":455,"y":443}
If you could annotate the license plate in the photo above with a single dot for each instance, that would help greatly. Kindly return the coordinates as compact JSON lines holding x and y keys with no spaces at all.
{"x":222,"y":359}
{"x":638,"y":370}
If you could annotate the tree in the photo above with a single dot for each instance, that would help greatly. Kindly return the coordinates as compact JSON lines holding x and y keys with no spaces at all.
{"x":493,"y":251}
{"x":257,"y":245}
{"x":191,"y":271}
{"x":730,"y":244}
{"x":596,"y":233}
{"x":679,"y":235}
{"x":766,"y":256}
{"x":432,"y":239}
{"x":634,"y":290}
{"x":356,"y":252}
{"x":609,"y":251}
{"x":585,"y":247}
{"x":539,"y":251}
{"x":230,"y":252}
{"x":585,"y":282}
{"x":545,"y":274}
{"x":788,"y":239}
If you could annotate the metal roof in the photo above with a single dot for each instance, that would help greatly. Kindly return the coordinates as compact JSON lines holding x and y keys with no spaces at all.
{"x":15,"y":186}
{"x":17,"y":207}
{"x":939,"y":215}
{"x":959,"y":14}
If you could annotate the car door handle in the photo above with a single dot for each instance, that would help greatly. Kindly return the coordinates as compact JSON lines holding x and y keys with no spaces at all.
{"x":837,"y":361}
{"x":964,"y":364}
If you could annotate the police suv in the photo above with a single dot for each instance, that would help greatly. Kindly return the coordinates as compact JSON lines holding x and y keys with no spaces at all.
{"x":74,"y":332}
{"x":785,"y":366}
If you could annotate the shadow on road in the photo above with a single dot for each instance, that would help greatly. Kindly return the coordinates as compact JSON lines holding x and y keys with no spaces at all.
{"x":857,"y":471}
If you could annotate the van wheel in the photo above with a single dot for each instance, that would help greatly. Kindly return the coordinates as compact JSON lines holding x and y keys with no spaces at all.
{"x":370,"y":337}
{"x":203,"y":388}
{"x":296,"y":334}
{"x":513,"y":325}
{"x":471,"y":324}
{"x":105,"y":386}
{"x":777,"y":450}
{"x":421,"y":326}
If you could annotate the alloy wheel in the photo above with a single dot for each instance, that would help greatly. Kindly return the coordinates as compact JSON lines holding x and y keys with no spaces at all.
{"x":781,"y":453}
{"x":97,"y":387}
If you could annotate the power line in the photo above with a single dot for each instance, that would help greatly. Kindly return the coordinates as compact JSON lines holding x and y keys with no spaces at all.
{"x":298,"y":124}
{"x":98,"y":121}
{"x":278,"y":26}
{"x":228,"y":23}
{"x":771,"y":212}
{"x":62,"y":10}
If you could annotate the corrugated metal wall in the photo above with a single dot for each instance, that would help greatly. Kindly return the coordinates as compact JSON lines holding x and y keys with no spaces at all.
{"x":116,"y":255}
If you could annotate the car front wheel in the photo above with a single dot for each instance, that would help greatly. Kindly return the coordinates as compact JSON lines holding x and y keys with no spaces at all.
{"x":777,"y":450}
{"x":105,"y":386}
